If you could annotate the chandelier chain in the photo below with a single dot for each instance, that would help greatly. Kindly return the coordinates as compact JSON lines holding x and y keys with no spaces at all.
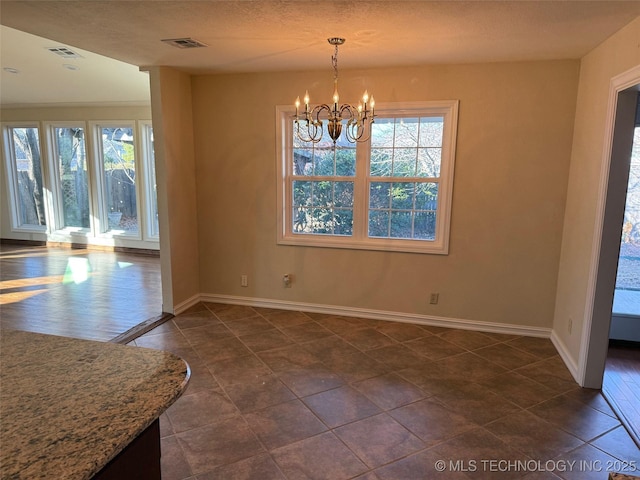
{"x":334,"y":62}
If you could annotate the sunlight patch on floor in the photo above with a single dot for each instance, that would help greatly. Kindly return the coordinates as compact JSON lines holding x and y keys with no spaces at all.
{"x":77,"y":271}
{"x":13,"y":297}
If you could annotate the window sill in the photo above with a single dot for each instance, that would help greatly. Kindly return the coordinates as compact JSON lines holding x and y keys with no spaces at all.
{"x":385,"y":245}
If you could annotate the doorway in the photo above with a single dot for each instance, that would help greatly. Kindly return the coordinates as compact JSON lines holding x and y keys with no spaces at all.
{"x":615,"y":369}
{"x":625,"y":319}
{"x":621,"y":380}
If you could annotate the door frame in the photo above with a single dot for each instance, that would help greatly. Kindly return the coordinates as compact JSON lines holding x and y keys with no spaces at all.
{"x":622,"y":102}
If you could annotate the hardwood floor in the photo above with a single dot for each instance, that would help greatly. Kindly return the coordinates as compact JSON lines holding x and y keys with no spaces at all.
{"x":621,"y":384}
{"x":77,"y":292}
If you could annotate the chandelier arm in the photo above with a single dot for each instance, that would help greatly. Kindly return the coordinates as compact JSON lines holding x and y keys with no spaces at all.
{"x":301,"y":136}
{"x":357,"y":126}
{"x":351,"y":110}
{"x":317,"y":110}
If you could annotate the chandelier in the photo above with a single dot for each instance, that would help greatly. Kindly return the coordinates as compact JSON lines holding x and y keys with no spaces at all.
{"x":309,"y":123}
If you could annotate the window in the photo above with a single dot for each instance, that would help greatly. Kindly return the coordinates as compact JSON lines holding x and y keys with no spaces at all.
{"x":153,"y":229}
{"x":72,"y":177}
{"x":392,"y":192}
{"x":24,"y":167}
{"x":88,"y":179}
{"x":117,"y":165}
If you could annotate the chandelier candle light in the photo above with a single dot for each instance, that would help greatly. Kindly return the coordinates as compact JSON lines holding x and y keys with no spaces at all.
{"x":359,"y":119}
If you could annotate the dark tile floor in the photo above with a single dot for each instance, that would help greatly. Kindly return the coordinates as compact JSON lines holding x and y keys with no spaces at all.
{"x":290,"y":395}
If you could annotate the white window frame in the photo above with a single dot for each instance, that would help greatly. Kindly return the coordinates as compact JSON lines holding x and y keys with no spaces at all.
{"x":448,"y":109}
{"x":54,"y":178}
{"x":147,"y":157}
{"x":12,"y":180}
{"x":99,"y":195}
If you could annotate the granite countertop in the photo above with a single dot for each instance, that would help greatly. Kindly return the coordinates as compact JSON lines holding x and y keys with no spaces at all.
{"x":69,"y":406}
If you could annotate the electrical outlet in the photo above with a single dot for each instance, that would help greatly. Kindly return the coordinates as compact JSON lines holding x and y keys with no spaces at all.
{"x":433,"y":299}
{"x":244,"y":281}
{"x":570,"y":325}
{"x":286,"y":280}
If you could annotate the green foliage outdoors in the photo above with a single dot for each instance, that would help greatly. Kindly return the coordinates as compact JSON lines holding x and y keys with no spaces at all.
{"x":405,"y":155}
{"x":73,"y":176}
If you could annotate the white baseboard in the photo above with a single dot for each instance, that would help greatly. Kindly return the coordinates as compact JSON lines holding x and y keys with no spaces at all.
{"x":568,"y":360}
{"x":188,"y":303}
{"x":377,"y":315}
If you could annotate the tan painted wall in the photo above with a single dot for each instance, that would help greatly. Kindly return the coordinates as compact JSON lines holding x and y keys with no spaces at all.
{"x":513,"y":151}
{"x":614,"y":56}
{"x":176,"y":179}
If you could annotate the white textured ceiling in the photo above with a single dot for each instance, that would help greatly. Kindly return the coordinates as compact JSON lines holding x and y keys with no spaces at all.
{"x":269,"y":35}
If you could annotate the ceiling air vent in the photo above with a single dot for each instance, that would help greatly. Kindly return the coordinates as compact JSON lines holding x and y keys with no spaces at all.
{"x":64,"y":52}
{"x":184,"y":42}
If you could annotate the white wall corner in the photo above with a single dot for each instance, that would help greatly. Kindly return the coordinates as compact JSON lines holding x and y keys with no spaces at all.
{"x":188,"y":303}
{"x":566,"y":356}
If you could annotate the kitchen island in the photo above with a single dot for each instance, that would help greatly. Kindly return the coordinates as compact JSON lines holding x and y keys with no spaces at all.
{"x":80,"y":409}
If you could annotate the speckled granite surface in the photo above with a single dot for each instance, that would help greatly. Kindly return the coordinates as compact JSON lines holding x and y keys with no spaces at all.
{"x":68,"y":406}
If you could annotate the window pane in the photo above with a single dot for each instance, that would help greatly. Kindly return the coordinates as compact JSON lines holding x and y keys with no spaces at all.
{"x":381,"y":162}
{"x":345,"y":161}
{"x":431,"y":129}
{"x":343,"y":194}
{"x":323,"y":207}
{"x":424,"y":226}
{"x":410,"y":148}
{"x":378,"y":223}
{"x":404,"y":162}
{"x":321,"y":220}
{"x":153,"y":186}
{"x":120,"y":178}
{"x":26,"y":151}
{"x":400,"y":225}
{"x":403,"y":210}
{"x":407,"y":147}
{"x":407,"y":132}
{"x":301,"y":220}
{"x":429,"y":160}
{"x":382,"y":132}
{"x":379,"y":195}
{"x":402,"y":196}
{"x":322,"y":194}
{"x":72,"y":169}
{"x":343,"y":222}
{"x":303,"y":161}
{"x":426,"y":196}
{"x":323,"y":162}
{"x":301,"y":193}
